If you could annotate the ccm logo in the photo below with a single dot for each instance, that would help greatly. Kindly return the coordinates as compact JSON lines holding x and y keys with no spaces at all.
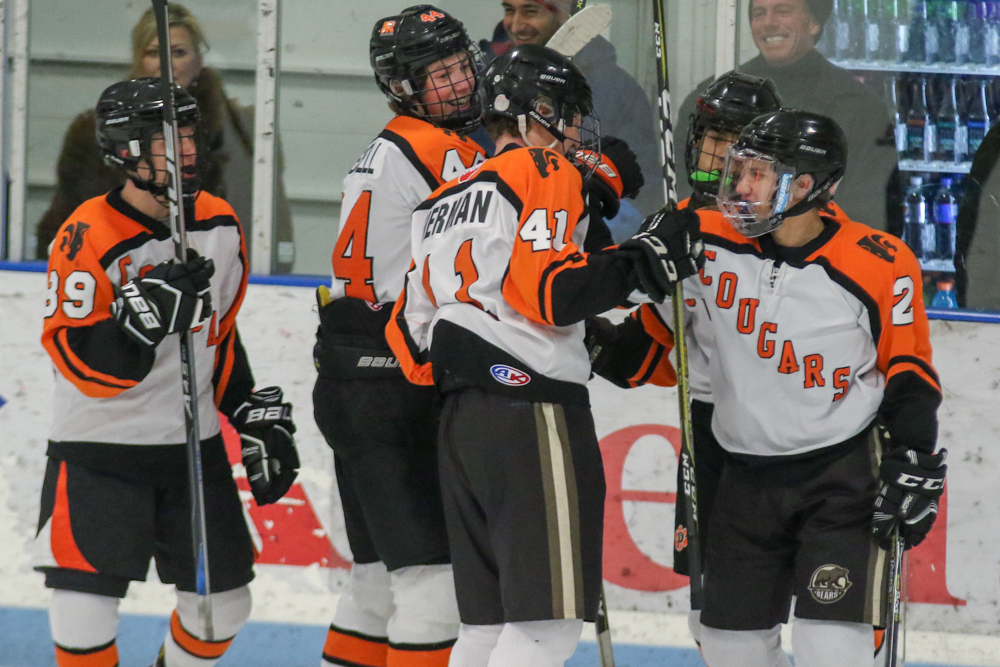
{"x":912,"y":482}
{"x":509,"y":375}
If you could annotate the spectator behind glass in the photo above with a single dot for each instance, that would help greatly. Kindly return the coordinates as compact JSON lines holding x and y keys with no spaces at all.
{"x":785,"y":32}
{"x":619,"y":101}
{"x":228,"y":139}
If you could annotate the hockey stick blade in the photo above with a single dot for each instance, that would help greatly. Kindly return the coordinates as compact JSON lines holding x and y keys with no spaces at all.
{"x":580,"y":29}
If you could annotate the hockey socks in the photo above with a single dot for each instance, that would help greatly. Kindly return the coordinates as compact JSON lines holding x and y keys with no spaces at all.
{"x":183,"y":648}
{"x":349,"y":649}
{"x":84,"y":626}
{"x":743,"y":648}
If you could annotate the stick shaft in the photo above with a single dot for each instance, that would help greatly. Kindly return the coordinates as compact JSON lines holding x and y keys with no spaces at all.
{"x":687,"y":461}
{"x":604,"y":633}
{"x":178,"y":231}
{"x":895,"y":602}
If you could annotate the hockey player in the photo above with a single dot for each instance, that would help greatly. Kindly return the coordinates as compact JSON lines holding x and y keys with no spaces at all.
{"x":492,"y":314}
{"x":825,"y":402}
{"x":116,"y":487}
{"x":399,"y":608}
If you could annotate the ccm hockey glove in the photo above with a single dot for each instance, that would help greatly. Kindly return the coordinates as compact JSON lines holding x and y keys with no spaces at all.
{"x":170,"y":298}
{"x":909,"y":486}
{"x":667,"y":249}
{"x":610,"y":175}
{"x":269,"y":455}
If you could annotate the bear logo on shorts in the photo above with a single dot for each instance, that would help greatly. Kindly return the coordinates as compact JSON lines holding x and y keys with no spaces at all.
{"x":829,"y":583}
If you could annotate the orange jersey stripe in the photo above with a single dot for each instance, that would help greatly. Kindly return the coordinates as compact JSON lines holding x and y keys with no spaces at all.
{"x":199,"y":648}
{"x":64,"y":547}
{"x":225,"y":352}
{"x":102,"y":656}
{"x":415,"y":372}
{"x":342,"y":648}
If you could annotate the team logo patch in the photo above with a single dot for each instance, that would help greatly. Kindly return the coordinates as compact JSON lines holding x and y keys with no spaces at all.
{"x":680,"y":539}
{"x":509,"y":375}
{"x":388,"y":28}
{"x":879,"y":246}
{"x":544,"y":160}
{"x":72,"y":240}
{"x":829,"y":583}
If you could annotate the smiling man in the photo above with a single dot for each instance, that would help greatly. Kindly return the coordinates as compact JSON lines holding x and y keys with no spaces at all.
{"x":785,"y":32}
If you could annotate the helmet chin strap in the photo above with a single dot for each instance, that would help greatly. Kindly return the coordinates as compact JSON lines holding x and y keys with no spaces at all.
{"x":522,"y":126}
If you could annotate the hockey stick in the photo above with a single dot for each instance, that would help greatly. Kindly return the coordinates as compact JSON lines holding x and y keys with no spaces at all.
{"x":680,"y":344}
{"x":895,"y":599}
{"x":583,"y":25}
{"x":189,"y":378}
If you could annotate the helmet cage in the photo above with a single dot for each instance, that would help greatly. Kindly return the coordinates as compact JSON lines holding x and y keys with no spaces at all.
{"x":125,"y":136}
{"x":707,"y":182}
{"x":409,"y":90}
{"x":767,"y":184}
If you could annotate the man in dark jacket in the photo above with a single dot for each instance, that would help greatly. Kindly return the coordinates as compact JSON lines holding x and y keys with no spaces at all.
{"x":786,"y":32}
{"x":619,"y":101}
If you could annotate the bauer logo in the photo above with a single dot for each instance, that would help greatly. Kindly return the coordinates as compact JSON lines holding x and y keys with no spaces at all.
{"x":509,"y":375}
{"x":829,"y":583}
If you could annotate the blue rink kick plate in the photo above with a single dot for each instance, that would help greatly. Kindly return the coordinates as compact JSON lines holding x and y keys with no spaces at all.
{"x":25,"y":642}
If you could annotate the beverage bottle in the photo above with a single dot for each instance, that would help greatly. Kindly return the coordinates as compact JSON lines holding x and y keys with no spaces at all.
{"x":945,"y":215}
{"x":898,"y":114}
{"x":976,"y":18}
{"x":992,"y":26}
{"x":842,"y":29}
{"x":948,"y":123}
{"x":979,"y":119}
{"x":932,"y":42}
{"x":856,"y":28}
{"x":898,"y":23}
{"x":872,"y":14}
{"x":945,"y":298}
{"x":963,"y":30}
{"x":918,"y":31}
{"x":915,"y":219}
{"x":946,"y":19}
{"x":921,"y":132}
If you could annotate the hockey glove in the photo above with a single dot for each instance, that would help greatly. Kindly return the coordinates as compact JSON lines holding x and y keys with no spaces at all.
{"x":269,"y":455}
{"x":170,"y":298}
{"x":909,"y":486}
{"x":616,"y":175}
{"x":667,"y":249}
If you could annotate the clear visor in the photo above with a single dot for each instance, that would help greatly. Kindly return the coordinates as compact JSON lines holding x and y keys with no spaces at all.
{"x":754,"y":190}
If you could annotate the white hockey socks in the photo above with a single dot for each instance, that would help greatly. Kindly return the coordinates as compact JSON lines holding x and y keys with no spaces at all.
{"x":358,"y":634}
{"x":84,"y":627}
{"x":832,"y":643}
{"x":475,"y":644}
{"x":424,"y":626}
{"x":184,"y":648}
{"x":536,"y":643}
{"x":743,"y":648}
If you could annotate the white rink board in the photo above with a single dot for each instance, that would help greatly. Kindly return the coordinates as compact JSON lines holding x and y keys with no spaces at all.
{"x":278,"y":326}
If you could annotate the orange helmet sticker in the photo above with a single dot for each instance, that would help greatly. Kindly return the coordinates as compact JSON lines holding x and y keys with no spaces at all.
{"x":388,"y":28}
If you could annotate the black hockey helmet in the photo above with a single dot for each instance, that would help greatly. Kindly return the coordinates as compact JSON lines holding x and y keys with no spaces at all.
{"x":725,"y":108}
{"x":129,"y":115}
{"x":763,"y":167}
{"x":534,"y":82}
{"x":403,"y":48}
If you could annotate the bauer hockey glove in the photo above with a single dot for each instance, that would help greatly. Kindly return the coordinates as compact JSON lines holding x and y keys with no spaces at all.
{"x":170,"y":298}
{"x":910,"y":484}
{"x":667,"y":249}
{"x":610,"y":175}
{"x":269,"y":455}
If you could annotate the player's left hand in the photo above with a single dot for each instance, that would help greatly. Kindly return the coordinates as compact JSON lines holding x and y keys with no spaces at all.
{"x":667,"y":249}
{"x":910,"y":483}
{"x":616,"y":175}
{"x":269,"y":455}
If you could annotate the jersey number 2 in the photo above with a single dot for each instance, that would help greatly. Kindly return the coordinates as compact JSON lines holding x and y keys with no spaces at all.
{"x":356,"y":267}
{"x":902,"y":310}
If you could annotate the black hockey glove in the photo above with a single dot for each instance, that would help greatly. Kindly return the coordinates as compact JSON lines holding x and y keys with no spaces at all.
{"x":616,"y":175}
{"x":169,"y":298}
{"x":909,"y":486}
{"x":269,"y":455}
{"x":667,"y":249}
{"x":600,"y":337}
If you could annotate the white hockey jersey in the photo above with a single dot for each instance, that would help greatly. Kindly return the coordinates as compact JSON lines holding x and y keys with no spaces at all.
{"x":399,"y":169}
{"x":809,"y":344}
{"x":500,"y":288}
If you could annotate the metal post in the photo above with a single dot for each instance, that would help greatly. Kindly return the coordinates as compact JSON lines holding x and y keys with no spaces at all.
{"x":725,"y":36}
{"x":13,"y":136}
{"x":265,"y":127}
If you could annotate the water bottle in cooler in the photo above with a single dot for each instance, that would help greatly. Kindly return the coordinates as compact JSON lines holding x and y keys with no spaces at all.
{"x":898,"y":23}
{"x":945,"y":298}
{"x":963,"y":31}
{"x":992,"y":41}
{"x":976,"y":18}
{"x":979,"y":118}
{"x":918,"y":232}
{"x":950,"y":128}
{"x":873,"y":10}
{"x":946,"y":20}
{"x":921,"y":132}
{"x":898,"y":114}
{"x":945,"y":215}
